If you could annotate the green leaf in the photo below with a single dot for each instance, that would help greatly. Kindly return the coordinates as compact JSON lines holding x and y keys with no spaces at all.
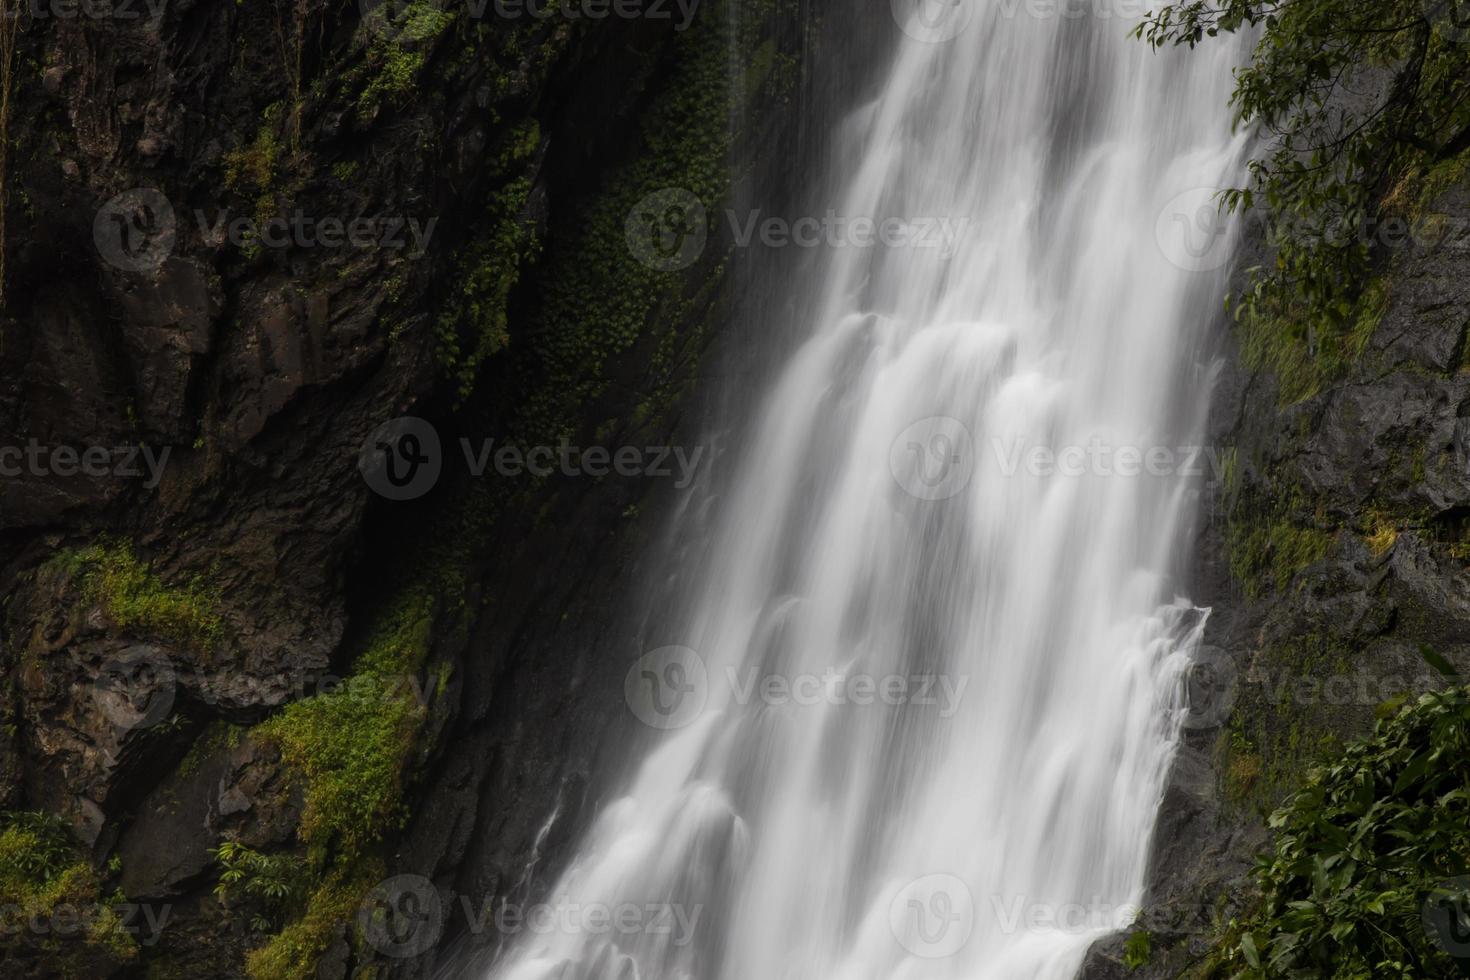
{"x":1439,"y":663}
{"x":1248,"y":950}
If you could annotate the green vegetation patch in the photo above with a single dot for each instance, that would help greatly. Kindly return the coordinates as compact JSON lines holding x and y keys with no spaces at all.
{"x":294,"y":951}
{"x":1138,"y":950}
{"x":137,"y":600}
{"x":401,"y":37}
{"x":348,"y":750}
{"x":1267,"y":549}
{"x":348,"y":747}
{"x":37,"y":860}
{"x":253,"y":167}
{"x":1358,"y":101}
{"x":41,"y":872}
{"x":1366,"y":857}
{"x":474,"y":323}
{"x":599,"y":297}
{"x":267,"y":886}
{"x":1303,"y":356}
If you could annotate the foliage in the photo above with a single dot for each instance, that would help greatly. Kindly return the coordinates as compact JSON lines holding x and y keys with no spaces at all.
{"x":295,"y":950}
{"x":1382,"y":536}
{"x":1138,"y":950}
{"x":1359,"y":850}
{"x":1354,"y":99}
{"x":35,"y":853}
{"x":272,"y":884}
{"x":41,"y":871}
{"x":253,"y":167}
{"x":489,"y":267}
{"x":348,"y":747}
{"x":1242,"y":772}
{"x":1302,"y":365}
{"x":136,"y":599}
{"x":599,"y":298}
{"x":401,"y":36}
{"x":1268,"y":549}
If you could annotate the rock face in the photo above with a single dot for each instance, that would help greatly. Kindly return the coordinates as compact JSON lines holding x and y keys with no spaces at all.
{"x":240,"y":239}
{"x":1334,"y":547}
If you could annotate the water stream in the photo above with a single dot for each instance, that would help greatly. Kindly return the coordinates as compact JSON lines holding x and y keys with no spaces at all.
{"x":926,"y":700}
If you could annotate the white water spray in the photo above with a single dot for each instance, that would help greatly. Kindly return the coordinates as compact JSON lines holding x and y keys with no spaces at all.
{"x":921,"y":728}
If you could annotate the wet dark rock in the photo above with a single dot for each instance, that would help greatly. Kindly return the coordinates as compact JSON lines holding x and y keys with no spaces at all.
{"x":262,"y":371}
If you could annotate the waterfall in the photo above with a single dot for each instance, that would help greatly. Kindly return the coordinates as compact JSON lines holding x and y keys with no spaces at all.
{"x":924,"y":704}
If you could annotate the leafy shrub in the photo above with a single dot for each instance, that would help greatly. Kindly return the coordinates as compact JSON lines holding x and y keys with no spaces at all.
{"x":1362,"y":854}
{"x":1357,"y":102}
{"x":40,"y":871}
{"x":269,"y":885}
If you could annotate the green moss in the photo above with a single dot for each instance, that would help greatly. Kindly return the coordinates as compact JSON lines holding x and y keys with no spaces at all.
{"x":348,"y":750}
{"x":1230,"y":475}
{"x":401,"y":37}
{"x":399,"y":643}
{"x":136,"y":600}
{"x":1371,"y":307}
{"x":1138,"y":950}
{"x":1284,"y":722}
{"x":295,"y":950}
{"x":599,"y":299}
{"x":1380,"y":533}
{"x":41,"y":871}
{"x":475,"y":323}
{"x":1302,"y":360}
{"x":348,"y":747}
{"x":36,"y":860}
{"x":759,"y":65}
{"x":1269,"y":555}
{"x":1271,"y":533}
{"x":1422,"y":186}
{"x":1241,"y":776}
{"x":252,"y":168}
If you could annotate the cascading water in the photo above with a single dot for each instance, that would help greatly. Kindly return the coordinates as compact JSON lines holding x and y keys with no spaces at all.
{"x":921,"y":724}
